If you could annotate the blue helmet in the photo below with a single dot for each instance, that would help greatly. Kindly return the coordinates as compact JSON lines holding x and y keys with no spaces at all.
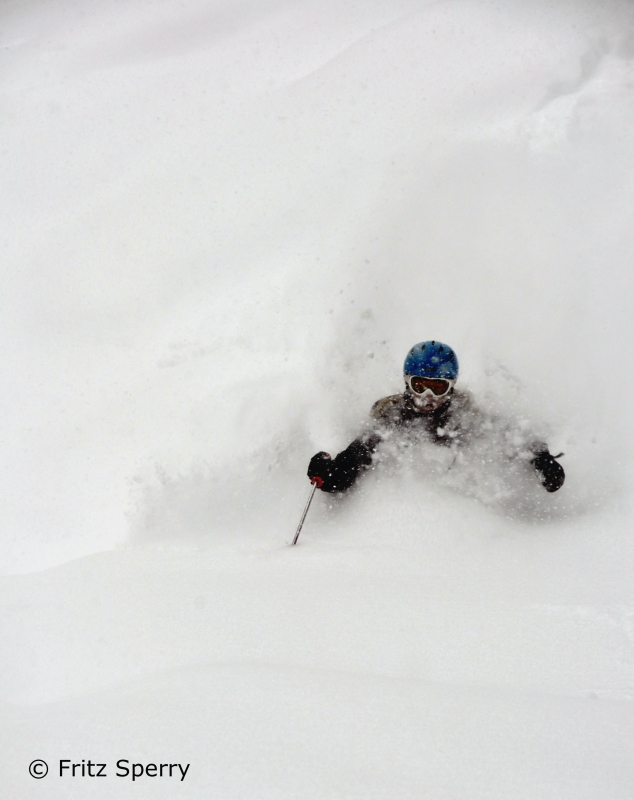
{"x":431,"y":360}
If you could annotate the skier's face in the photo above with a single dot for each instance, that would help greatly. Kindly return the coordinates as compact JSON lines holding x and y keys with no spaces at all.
{"x":428,"y":402}
{"x":428,"y":394}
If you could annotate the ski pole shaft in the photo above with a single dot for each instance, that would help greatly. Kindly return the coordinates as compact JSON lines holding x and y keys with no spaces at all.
{"x":317,"y":482}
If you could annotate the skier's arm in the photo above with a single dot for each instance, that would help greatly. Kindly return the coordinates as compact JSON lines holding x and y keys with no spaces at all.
{"x":550,"y":471}
{"x":340,"y":473}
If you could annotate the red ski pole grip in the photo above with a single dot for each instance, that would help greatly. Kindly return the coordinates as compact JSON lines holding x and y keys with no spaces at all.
{"x":318,"y":481}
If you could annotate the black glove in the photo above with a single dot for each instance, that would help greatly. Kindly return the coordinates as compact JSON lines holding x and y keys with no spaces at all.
{"x":551,"y":472}
{"x":319,"y":466}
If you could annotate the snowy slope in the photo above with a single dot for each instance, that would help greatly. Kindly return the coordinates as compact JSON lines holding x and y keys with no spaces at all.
{"x":224,"y":225}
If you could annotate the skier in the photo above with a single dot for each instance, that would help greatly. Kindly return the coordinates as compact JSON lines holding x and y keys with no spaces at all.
{"x":431,"y":408}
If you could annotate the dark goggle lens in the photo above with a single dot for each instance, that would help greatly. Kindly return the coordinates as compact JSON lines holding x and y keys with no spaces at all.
{"x":439,"y":386}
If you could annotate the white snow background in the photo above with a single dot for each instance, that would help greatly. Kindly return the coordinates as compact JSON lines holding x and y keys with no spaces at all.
{"x":223,"y":225}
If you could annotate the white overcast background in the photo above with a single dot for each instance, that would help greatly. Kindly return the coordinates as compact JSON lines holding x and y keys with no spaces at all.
{"x":222,"y":226}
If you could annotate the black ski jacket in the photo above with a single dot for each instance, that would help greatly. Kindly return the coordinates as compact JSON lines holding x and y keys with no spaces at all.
{"x":455,"y":423}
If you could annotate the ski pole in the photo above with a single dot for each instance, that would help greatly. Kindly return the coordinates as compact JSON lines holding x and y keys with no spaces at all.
{"x":317,"y":483}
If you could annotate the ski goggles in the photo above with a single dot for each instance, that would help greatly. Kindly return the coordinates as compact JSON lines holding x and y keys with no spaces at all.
{"x":438,"y":386}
